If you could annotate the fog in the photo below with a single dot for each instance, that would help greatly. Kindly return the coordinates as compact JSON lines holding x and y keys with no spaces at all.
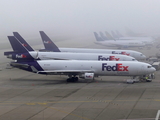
{"x":70,"y":18}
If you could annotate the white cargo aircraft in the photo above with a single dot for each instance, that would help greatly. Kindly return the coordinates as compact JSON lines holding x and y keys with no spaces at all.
{"x":85,"y":69}
{"x":148,"y":41}
{"x":117,"y":43}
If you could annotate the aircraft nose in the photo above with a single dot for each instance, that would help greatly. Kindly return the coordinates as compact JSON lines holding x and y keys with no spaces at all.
{"x":152,"y":70}
{"x":144,"y":57}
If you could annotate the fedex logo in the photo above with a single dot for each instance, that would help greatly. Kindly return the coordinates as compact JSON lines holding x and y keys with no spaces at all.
{"x":20,"y":56}
{"x":117,"y":67}
{"x":46,"y":42}
{"x":111,"y":58}
{"x":123,"y":53}
{"x":88,"y":76}
{"x":24,"y":45}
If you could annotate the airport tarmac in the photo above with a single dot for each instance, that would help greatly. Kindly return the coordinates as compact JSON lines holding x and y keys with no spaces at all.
{"x":29,"y":96}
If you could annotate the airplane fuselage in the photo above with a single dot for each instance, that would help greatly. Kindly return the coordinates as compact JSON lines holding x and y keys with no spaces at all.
{"x":80,"y":56}
{"x":135,"y":54}
{"x":99,"y":68}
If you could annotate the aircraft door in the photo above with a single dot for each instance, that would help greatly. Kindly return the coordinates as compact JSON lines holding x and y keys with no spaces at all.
{"x":142,"y":70}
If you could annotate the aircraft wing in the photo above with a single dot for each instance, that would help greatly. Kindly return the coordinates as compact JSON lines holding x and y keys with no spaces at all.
{"x":52,"y":58}
{"x":63,"y":71}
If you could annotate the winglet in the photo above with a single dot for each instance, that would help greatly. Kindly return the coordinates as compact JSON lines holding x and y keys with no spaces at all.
{"x":20,"y":38}
{"x":48,"y":44}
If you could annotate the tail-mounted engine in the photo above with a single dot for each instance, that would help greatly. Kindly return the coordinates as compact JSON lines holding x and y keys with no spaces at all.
{"x":23,"y":56}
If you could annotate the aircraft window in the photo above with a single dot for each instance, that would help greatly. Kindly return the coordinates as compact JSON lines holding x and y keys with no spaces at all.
{"x":133,"y":59}
{"x":149,"y":66}
{"x":141,"y":54}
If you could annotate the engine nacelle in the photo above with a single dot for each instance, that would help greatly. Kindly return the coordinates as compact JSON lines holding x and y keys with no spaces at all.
{"x":23,"y":56}
{"x":87,"y":76}
{"x":34,"y":54}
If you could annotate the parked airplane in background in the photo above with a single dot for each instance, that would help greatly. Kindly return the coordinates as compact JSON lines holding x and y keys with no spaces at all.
{"x":49,"y":46}
{"x":117,"y":43}
{"x":22,"y":53}
{"x":85,"y":69}
{"x":147,"y":40}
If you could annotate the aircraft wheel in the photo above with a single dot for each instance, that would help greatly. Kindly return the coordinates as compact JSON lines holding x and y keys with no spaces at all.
{"x":69,"y":80}
{"x":72,"y":79}
{"x":76,"y":79}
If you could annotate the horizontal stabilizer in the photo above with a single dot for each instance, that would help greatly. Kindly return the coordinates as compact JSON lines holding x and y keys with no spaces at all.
{"x":9,"y":52}
{"x":19,"y":65}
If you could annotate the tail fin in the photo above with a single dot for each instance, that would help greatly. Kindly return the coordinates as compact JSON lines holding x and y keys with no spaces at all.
{"x":48,"y":44}
{"x":24,"y":43}
{"x":114,"y":35}
{"x":16,"y":45}
{"x":97,"y":37}
{"x":119,"y":34}
{"x":20,"y":53}
{"x":109,"y":36}
{"x":103,"y":36}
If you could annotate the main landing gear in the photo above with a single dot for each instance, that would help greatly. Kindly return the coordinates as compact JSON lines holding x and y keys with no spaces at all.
{"x":72,"y":79}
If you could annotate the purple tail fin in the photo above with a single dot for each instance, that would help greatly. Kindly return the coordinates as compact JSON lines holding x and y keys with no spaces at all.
{"x":16,"y":45}
{"x":48,"y":44}
{"x":20,"y":53}
{"x":19,"y":37}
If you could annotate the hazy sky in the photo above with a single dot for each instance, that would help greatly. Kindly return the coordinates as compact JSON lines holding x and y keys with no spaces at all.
{"x":78,"y":17}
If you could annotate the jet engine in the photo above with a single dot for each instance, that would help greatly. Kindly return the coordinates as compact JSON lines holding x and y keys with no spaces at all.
{"x":23,"y":56}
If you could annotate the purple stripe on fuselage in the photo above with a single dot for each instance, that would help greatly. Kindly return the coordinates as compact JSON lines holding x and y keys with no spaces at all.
{"x":20,"y":64}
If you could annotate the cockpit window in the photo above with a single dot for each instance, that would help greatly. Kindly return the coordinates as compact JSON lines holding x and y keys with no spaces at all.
{"x":149,"y":66}
{"x":133,"y":59}
{"x":141,"y":54}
